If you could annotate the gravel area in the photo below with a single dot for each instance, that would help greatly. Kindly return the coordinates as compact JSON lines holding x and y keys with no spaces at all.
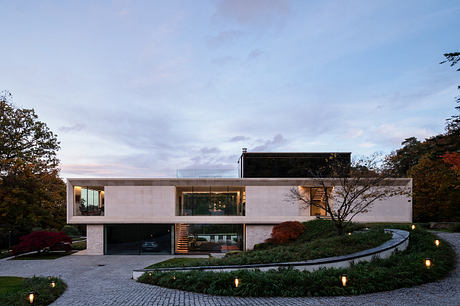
{"x":106,"y":280}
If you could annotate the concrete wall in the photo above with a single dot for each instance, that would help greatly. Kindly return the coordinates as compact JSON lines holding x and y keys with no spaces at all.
{"x":257,"y":234}
{"x":269,"y":201}
{"x":95,"y":239}
{"x":139,"y":201}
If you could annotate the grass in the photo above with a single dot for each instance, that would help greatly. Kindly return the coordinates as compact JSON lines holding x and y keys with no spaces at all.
{"x":318,"y":241}
{"x":79,"y":245}
{"x":42,"y":256}
{"x":402,"y":269}
{"x":10,"y":284}
{"x":15,"y":290}
{"x":5,"y":253}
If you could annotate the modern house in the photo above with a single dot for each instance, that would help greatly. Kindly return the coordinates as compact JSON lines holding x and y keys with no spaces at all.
{"x":208,"y":215}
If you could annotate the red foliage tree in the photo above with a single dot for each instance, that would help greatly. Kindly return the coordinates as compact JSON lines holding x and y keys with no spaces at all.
{"x":286,"y":231}
{"x":452,"y":159}
{"x":43,"y":241}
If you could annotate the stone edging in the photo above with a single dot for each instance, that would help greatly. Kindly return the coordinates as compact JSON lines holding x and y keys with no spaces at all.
{"x":399,"y":241}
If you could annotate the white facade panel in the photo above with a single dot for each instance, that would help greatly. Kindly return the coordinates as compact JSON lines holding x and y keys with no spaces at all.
{"x":139,"y":201}
{"x":269,"y":201}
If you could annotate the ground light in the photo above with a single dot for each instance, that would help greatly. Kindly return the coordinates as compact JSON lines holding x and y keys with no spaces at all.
{"x":53,"y":284}
{"x":173,"y":277}
{"x":349,"y":234}
{"x":413,"y":227}
{"x":237,"y":282}
{"x":436,"y":242}
{"x":343,"y":278}
{"x":428,"y":263}
{"x":31,"y":298}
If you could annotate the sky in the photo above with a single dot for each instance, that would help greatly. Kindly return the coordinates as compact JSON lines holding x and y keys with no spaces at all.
{"x":143,"y":88}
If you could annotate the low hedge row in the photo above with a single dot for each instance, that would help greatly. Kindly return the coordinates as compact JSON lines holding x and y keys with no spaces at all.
{"x":44,"y":294}
{"x":403,"y":269}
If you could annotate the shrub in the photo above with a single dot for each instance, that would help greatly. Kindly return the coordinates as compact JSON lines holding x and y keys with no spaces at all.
{"x":286,"y":231}
{"x":44,"y":294}
{"x":43,"y":241}
{"x":71,"y":231}
{"x":402,"y":269}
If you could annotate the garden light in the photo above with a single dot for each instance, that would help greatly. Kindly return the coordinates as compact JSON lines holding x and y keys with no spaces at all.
{"x":49,"y":277}
{"x":150,"y":273}
{"x":436,"y":242}
{"x":428,"y":263}
{"x":173,"y":277}
{"x":53,"y":284}
{"x":31,"y":298}
{"x":237,"y":282}
{"x":413,"y":227}
{"x":343,"y":278}
{"x":349,"y":234}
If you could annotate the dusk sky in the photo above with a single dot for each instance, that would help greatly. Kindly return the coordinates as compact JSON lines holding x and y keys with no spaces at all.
{"x":142,"y":88}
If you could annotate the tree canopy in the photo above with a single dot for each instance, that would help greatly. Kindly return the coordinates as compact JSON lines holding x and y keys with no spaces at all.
{"x":31,"y":192}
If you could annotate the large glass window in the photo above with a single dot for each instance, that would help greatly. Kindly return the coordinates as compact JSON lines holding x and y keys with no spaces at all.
{"x":88,"y":201}
{"x":318,"y":200}
{"x":138,"y":239}
{"x":208,"y":238}
{"x":210,"y":201}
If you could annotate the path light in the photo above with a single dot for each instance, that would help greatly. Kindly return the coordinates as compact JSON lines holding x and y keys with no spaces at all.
{"x":436,"y":242}
{"x":237,"y":282}
{"x":428,"y":263}
{"x":349,"y":234}
{"x":173,"y":277}
{"x":150,"y":273}
{"x":343,"y":278}
{"x":49,"y":277}
{"x":53,"y":284}
{"x":413,"y":227}
{"x":31,"y":298}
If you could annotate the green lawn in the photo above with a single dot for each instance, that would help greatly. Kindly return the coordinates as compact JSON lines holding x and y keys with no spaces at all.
{"x":10,"y":284}
{"x":42,"y":256}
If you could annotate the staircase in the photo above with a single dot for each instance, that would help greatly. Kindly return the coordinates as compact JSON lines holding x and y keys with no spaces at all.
{"x":182,"y":231}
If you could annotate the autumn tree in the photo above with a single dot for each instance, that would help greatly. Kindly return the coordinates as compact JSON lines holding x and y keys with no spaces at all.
{"x":31,"y":192}
{"x":351,"y":191}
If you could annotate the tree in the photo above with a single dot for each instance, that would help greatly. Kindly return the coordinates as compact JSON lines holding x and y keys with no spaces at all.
{"x":285,"y":232}
{"x":366,"y":182}
{"x":436,"y":190}
{"x":31,"y":192}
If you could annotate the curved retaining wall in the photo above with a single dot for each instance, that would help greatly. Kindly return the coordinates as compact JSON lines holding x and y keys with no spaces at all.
{"x":399,"y":241}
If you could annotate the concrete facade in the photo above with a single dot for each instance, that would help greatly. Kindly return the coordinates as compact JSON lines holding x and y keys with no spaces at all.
{"x":95,"y":239}
{"x":154,"y":201}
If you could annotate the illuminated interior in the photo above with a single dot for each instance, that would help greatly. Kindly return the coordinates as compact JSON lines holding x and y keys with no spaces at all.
{"x":88,"y":201}
{"x":210,"y":201}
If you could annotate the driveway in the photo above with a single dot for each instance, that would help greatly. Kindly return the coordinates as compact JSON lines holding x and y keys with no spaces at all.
{"x":106,"y":280}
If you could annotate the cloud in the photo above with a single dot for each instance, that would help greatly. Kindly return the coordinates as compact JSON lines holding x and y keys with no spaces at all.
{"x":255,"y":53}
{"x":395,"y":134}
{"x":72,"y":128}
{"x":239,"y":138}
{"x":271,"y":144}
{"x":224,"y":38}
{"x":262,"y":12}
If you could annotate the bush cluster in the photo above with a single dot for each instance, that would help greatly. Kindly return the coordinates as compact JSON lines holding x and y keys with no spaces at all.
{"x":43,"y":240}
{"x":40,"y":286}
{"x":402,"y":269}
{"x":285,"y":232}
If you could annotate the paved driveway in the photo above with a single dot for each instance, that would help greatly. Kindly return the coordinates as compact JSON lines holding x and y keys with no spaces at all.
{"x":106,"y":280}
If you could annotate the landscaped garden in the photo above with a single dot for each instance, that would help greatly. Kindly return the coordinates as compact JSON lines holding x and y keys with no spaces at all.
{"x":402,"y":269}
{"x":26,"y":291}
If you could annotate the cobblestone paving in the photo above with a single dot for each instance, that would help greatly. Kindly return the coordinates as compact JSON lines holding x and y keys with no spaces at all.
{"x":106,"y":280}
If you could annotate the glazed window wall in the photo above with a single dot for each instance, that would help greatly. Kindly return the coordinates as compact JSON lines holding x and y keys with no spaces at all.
{"x":88,"y":201}
{"x":137,"y":239}
{"x":318,"y":200}
{"x":208,"y":238}
{"x":210,"y":201}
